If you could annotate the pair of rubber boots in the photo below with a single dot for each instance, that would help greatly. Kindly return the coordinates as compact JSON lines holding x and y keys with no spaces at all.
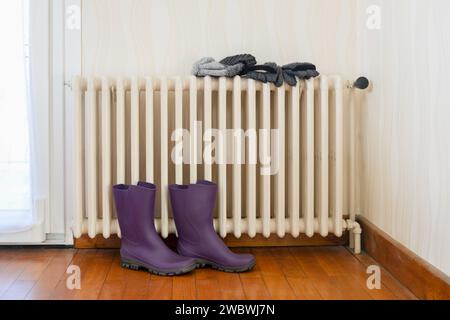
{"x":198,"y":243}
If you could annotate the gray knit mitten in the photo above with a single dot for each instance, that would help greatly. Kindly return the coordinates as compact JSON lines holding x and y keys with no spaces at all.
{"x":210,"y":67}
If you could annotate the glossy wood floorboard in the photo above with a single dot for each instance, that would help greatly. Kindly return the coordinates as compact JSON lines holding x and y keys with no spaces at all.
{"x":280,"y":273}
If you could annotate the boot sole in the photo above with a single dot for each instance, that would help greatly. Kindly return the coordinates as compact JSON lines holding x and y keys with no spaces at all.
{"x":210,"y":264}
{"x":137,"y":266}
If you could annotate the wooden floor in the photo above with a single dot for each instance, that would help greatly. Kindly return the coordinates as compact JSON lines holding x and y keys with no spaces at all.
{"x":281,"y":273}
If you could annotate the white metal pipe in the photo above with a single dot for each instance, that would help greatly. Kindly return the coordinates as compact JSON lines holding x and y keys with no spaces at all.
{"x":323,"y":158}
{"x":91,"y":159}
{"x":355,"y":235}
{"x":200,"y":83}
{"x":222,"y":155}
{"x":193,"y":130}
{"x":216,"y":222}
{"x":134,"y":131}
{"x":78,"y":152}
{"x":238,"y":153}
{"x":294,"y":159}
{"x":251,"y":163}
{"x":149,"y":131}
{"x":164,"y":159}
{"x":179,"y":125}
{"x":280,"y":159}
{"x":106,"y":158}
{"x":352,"y":158}
{"x":207,"y":115}
{"x":339,"y":152}
{"x":265,"y":179}
{"x":308,"y":201}
{"x":120,"y":132}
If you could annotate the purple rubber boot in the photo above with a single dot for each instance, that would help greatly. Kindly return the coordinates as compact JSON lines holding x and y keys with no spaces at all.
{"x":193,"y":207}
{"x":142,"y":248}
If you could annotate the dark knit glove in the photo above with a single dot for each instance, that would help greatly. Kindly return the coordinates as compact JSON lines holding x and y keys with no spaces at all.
{"x":266,"y":73}
{"x":247,"y":60}
{"x":302,"y":71}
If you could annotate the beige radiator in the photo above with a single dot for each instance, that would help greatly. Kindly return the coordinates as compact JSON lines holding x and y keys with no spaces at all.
{"x":281,"y":171}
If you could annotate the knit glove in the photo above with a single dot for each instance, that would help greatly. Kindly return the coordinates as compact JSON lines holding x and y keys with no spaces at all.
{"x":247,"y":60}
{"x":209,"y":67}
{"x":266,"y":73}
{"x":302,"y":71}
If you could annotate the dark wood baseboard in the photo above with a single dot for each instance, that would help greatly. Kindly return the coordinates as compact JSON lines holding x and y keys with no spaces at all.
{"x":99,"y":242}
{"x":287,"y":241}
{"x":423,"y":279}
{"x":245,"y":241}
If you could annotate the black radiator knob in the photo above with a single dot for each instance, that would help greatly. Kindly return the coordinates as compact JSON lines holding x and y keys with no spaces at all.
{"x":361,"y":83}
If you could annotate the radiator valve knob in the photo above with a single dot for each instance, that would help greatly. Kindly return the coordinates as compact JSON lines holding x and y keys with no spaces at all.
{"x":361,"y":83}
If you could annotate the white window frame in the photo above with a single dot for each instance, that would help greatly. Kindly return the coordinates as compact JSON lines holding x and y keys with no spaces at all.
{"x":55,"y":60}
{"x":72,"y":68}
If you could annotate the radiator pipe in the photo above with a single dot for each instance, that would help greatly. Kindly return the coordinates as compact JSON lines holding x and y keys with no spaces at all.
{"x":186,"y":81}
{"x":361,"y":83}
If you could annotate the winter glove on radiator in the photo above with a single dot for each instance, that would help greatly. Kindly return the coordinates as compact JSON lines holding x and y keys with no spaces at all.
{"x":302,"y":71}
{"x":210,"y":67}
{"x":289,"y":73}
{"x":245,"y":59}
{"x":268,"y":72}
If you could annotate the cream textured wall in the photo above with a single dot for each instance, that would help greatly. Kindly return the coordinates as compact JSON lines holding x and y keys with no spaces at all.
{"x":404,"y":152}
{"x":405,"y":125}
{"x":164,"y":37}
